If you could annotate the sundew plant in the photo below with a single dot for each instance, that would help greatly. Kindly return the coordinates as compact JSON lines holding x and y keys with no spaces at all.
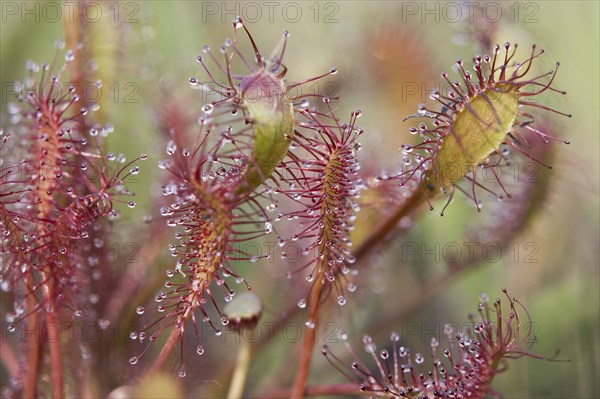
{"x":296,"y":199}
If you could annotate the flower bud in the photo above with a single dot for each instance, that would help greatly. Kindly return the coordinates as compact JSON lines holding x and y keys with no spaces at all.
{"x":243,"y":311}
{"x":264,"y":95}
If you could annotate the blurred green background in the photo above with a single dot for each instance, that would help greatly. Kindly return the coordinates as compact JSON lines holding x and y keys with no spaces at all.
{"x":388,"y":55}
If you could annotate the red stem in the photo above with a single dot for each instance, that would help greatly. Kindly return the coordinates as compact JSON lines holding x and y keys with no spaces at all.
{"x":309,"y":339}
{"x":55,"y":359}
{"x":377,"y":237}
{"x":53,"y":341}
{"x":33,"y":348}
{"x":9,"y":359}
{"x":167,"y":348}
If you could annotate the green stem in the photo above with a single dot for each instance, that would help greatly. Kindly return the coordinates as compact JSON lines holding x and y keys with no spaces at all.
{"x":236,"y":389}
